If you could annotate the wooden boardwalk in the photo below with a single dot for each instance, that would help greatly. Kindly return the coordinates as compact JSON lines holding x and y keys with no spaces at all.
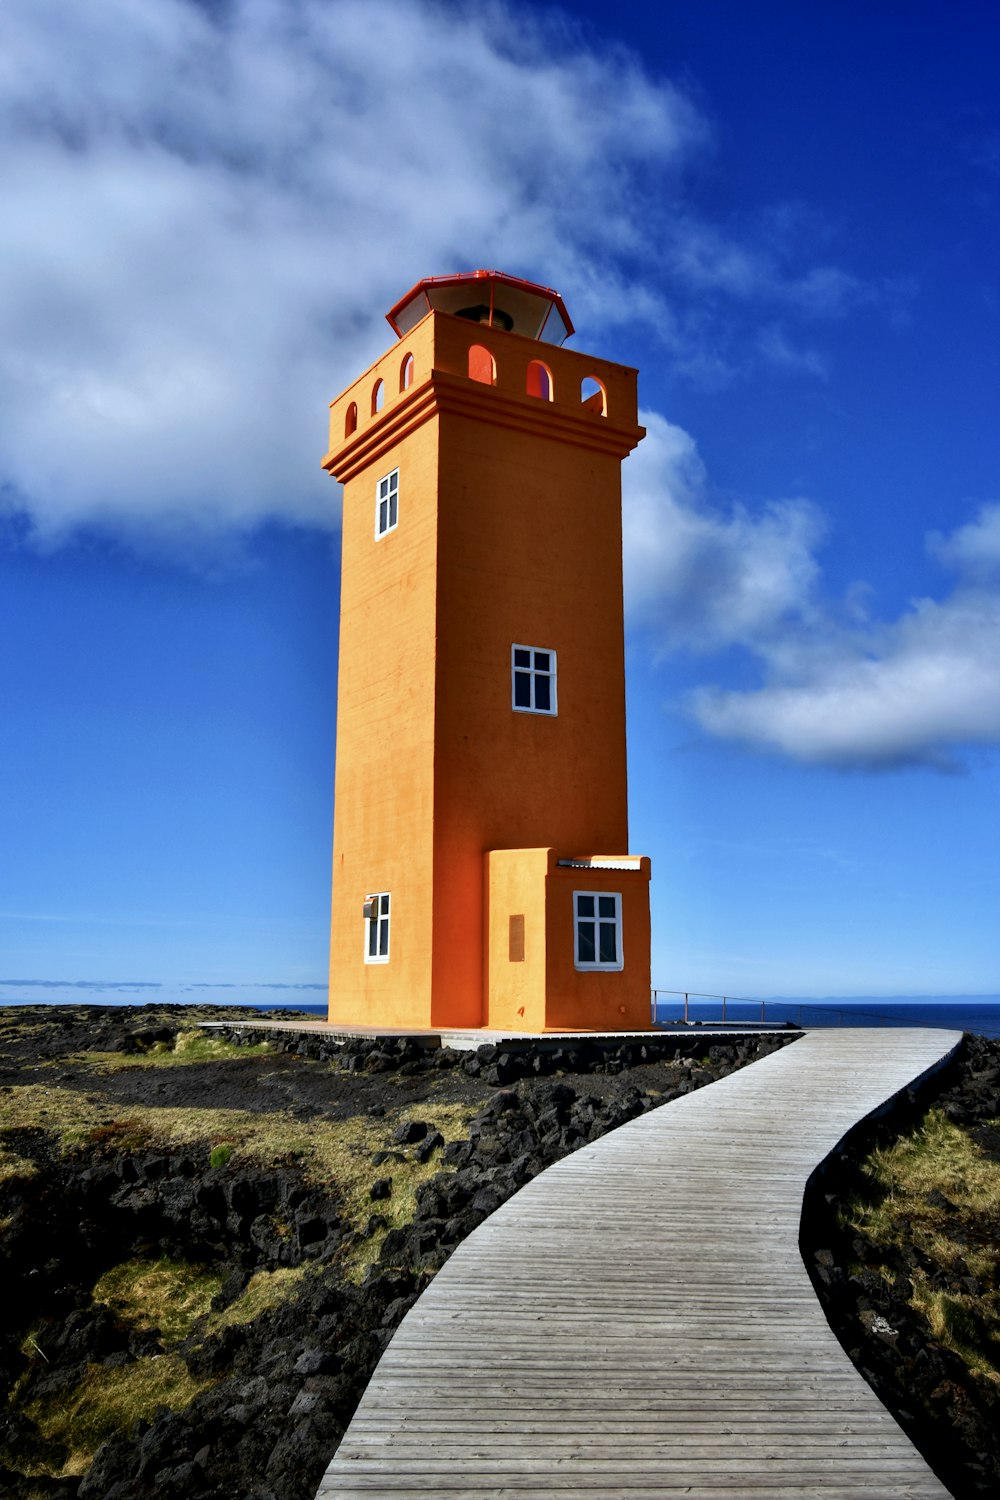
{"x":637,"y":1321}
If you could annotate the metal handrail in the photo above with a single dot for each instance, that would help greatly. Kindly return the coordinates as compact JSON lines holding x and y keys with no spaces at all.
{"x":698,"y":995}
{"x":830,"y":1015}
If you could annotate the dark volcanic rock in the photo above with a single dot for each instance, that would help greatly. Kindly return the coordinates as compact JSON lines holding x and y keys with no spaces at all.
{"x":950,"y":1414}
{"x":282,"y":1387}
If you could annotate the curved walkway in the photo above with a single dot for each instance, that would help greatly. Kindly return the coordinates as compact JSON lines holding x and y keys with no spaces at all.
{"x":637,"y":1321}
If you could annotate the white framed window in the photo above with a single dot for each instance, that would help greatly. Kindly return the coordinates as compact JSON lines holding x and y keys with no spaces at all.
{"x":533,"y":680}
{"x":377,"y":928}
{"x":597,"y":930}
{"x":387,"y":504}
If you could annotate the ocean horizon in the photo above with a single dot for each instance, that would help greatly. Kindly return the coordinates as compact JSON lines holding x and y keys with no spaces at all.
{"x":976,"y":1013}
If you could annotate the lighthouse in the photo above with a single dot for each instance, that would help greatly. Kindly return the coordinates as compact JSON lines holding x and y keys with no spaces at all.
{"x":480,"y":877}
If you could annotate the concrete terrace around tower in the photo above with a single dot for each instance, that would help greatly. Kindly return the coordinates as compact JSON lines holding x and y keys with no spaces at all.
{"x":637,"y":1320}
{"x":470,"y":1038}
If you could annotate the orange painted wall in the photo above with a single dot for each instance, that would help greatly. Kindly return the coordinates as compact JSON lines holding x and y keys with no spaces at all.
{"x":515,"y":885}
{"x":509,"y":531}
{"x":598,"y":1000}
{"x":546,"y":991}
{"x":384,"y":793}
{"x":529,"y":552}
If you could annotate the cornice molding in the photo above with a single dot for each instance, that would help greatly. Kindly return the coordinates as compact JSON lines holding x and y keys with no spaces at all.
{"x":444,"y":392}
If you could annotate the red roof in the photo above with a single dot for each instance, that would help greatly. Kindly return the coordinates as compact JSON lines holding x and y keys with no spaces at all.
{"x":518,"y":306}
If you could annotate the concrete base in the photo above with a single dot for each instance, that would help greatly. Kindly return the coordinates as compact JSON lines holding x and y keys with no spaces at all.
{"x":468,"y":1041}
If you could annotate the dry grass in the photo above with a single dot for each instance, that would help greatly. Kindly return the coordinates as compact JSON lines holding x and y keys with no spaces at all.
{"x":333,"y":1153}
{"x":264,"y":1291}
{"x":968,"y":1325}
{"x":397,"y":1210}
{"x":191,"y":1045}
{"x":350,"y":1166}
{"x":328,"y":1151}
{"x":170,"y":1296}
{"x":107,"y":1401}
{"x":14,"y":1168}
{"x":68,"y":1114}
{"x":174,"y":1297}
{"x":13,"y":1024}
{"x":940,"y":1157}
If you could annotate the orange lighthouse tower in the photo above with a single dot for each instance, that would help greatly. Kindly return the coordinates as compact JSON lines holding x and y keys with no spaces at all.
{"x":481,"y":803}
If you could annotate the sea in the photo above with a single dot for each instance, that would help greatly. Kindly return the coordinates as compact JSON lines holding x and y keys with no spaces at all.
{"x":976,"y":1013}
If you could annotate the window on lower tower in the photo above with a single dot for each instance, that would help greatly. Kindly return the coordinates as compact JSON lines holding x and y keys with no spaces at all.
{"x":377,"y":928}
{"x":597,"y":930}
{"x":387,"y":504}
{"x":533,"y":680}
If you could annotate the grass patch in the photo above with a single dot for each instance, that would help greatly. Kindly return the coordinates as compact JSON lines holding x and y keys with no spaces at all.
{"x":398,"y":1211}
{"x":265,"y":1290}
{"x":14,"y":1168}
{"x":940,"y":1158}
{"x":327,"y":1151}
{"x":937,"y":1156}
{"x":332,"y":1153}
{"x":172,"y":1297}
{"x":13,"y":1025}
{"x":191,"y":1045}
{"x":452,"y":1120}
{"x":107,"y":1401}
{"x":168,"y":1295}
{"x":65,"y":1113}
{"x":176,"y":1297}
{"x":963,"y":1325}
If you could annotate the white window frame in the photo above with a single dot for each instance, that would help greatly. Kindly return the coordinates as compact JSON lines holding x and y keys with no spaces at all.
{"x":376,"y":927}
{"x":387,"y":494}
{"x":597,"y":920}
{"x":534,"y":675}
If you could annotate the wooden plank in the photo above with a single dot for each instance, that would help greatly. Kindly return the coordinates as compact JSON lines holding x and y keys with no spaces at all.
{"x":637,"y":1321}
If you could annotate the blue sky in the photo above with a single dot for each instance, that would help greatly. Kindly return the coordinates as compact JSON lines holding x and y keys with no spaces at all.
{"x":786,"y":216}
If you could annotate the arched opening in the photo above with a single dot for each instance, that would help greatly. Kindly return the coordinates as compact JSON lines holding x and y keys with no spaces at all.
{"x":406,"y":373}
{"x":593,"y":396}
{"x":539,"y":380}
{"x":351,"y":419}
{"x":378,"y":396}
{"x":482,"y":365}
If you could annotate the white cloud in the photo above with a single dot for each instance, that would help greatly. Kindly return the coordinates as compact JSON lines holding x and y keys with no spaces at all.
{"x":759,"y":267}
{"x":839,"y":689}
{"x":700,"y":576}
{"x":915,"y":691}
{"x":974,"y":549}
{"x":207,"y":210}
{"x":774,"y":343}
{"x":208,"y":204}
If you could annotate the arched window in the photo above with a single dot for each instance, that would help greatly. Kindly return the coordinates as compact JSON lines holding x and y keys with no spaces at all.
{"x":406,"y":373}
{"x":351,"y":419}
{"x":378,"y":396}
{"x":539,"y":380}
{"x":482,"y":365}
{"x":593,"y":396}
